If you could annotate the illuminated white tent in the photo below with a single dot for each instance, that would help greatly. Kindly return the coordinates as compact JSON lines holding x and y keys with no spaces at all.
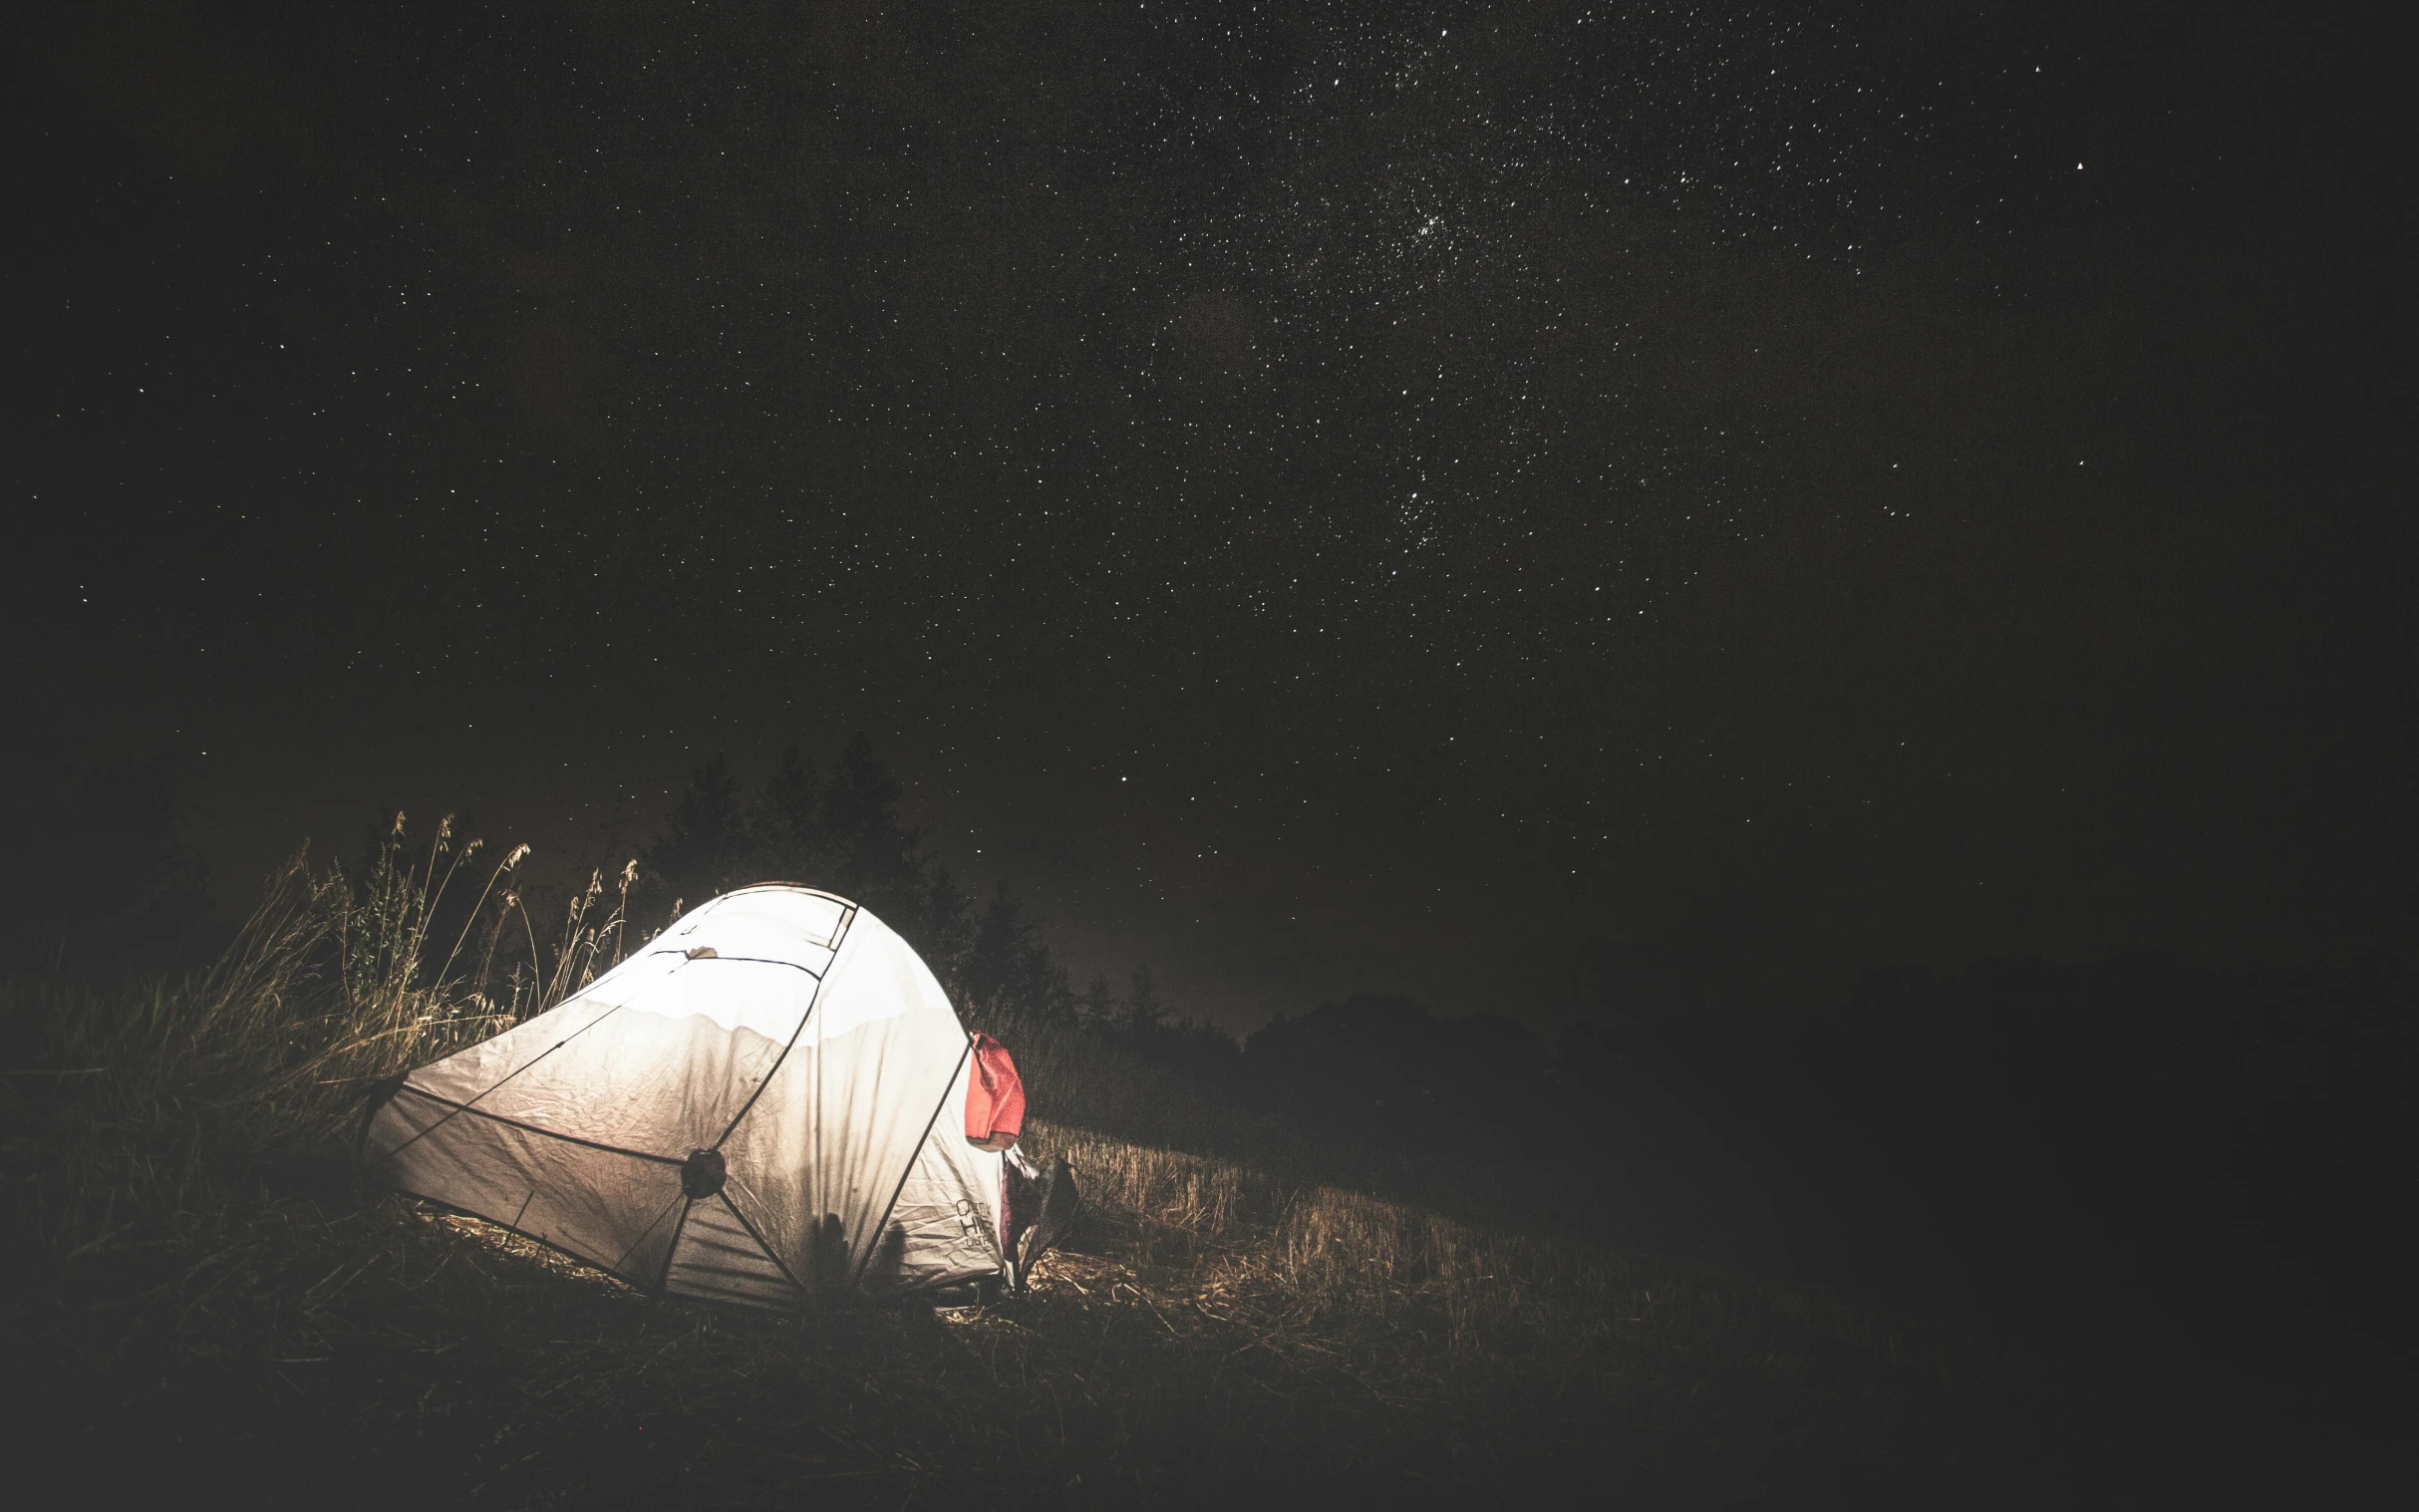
{"x":766,"y":1103}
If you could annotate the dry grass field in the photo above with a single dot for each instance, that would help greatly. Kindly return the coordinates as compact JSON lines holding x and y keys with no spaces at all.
{"x":213,"y":1303}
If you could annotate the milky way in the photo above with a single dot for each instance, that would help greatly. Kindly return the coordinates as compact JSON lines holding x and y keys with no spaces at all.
{"x":1673,"y":493}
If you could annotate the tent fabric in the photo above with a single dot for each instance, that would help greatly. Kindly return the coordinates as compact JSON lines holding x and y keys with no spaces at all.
{"x":786,"y":1032}
{"x":720,"y":1259}
{"x":943,"y":1226}
{"x":995,"y":1100}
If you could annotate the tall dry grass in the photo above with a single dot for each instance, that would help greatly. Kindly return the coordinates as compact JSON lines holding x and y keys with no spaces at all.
{"x":1245,"y":1306}
{"x":1528,"y":1328}
{"x":330,"y":984}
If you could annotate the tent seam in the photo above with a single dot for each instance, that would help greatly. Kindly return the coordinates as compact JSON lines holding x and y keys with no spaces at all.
{"x":465,"y":1108}
{"x":572,"y":1255}
{"x":542,"y":1133}
{"x":615,"y":1269}
{"x":662,"y":1278}
{"x":786,"y":1274}
{"x":758,"y":961}
{"x":814,"y":1000}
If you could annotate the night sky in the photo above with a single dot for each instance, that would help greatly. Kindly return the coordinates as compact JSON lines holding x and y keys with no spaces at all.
{"x":1551,"y":508}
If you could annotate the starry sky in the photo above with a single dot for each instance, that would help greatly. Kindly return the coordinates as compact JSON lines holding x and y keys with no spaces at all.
{"x":1557,"y":508}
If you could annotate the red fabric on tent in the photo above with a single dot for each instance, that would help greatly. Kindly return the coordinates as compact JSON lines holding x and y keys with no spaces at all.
{"x":995,"y":1097}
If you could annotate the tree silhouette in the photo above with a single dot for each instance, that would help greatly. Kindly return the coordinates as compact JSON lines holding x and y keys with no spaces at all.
{"x":874,"y":857}
{"x":789,"y":820}
{"x":1098,"y":1005}
{"x":840,"y":832}
{"x":944,"y":935}
{"x":1143,"y":1010}
{"x":1009,"y":973}
{"x":709,"y":845}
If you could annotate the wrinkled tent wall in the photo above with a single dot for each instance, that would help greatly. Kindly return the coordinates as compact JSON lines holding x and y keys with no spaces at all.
{"x":944,"y":1226}
{"x":817,"y":1161}
{"x":796,"y":1035}
{"x":608,"y":1207}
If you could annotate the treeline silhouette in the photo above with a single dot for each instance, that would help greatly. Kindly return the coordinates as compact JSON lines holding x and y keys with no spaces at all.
{"x":2132,"y":1142}
{"x":2134,"y":1138}
{"x":840,"y":830}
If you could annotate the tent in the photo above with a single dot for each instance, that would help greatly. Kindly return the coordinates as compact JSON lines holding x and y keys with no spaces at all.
{"x":771,"y":1101}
